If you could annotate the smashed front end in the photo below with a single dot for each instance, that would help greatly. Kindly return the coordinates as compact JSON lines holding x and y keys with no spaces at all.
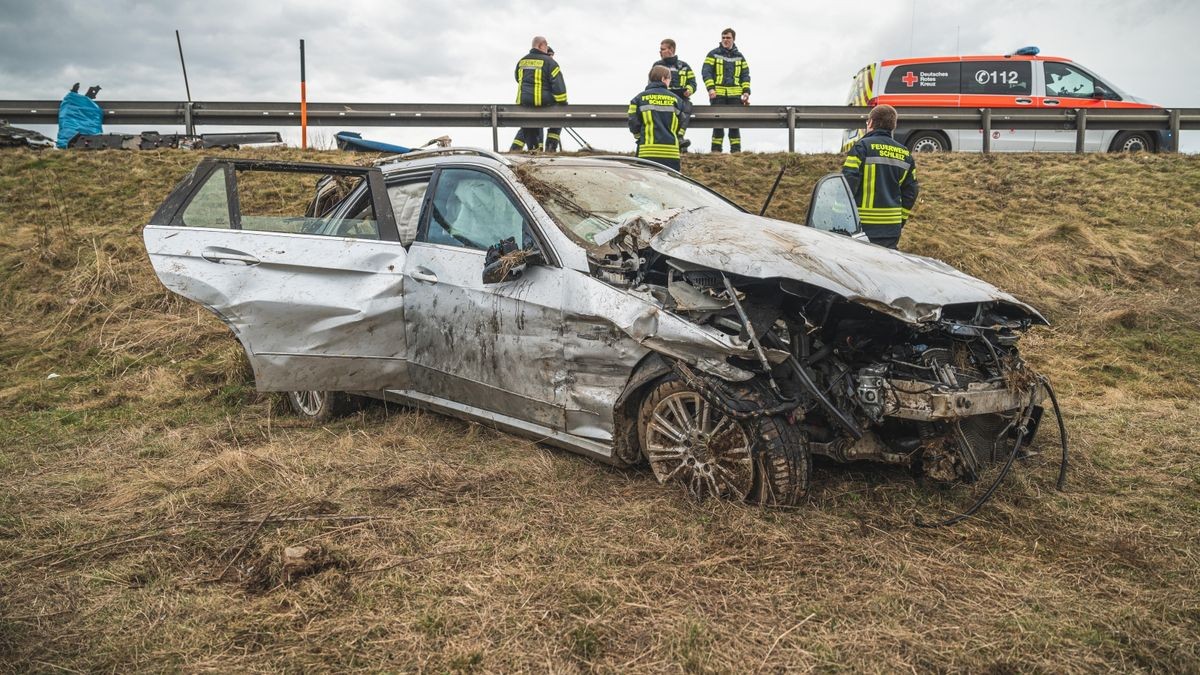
{"x":871,"y":354}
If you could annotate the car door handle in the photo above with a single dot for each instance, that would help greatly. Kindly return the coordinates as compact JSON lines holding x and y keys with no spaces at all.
{"x":1024,"y":101}
{"x":227,"y":256}
{"x":424,"y":275}
{"x":1050,"y":101}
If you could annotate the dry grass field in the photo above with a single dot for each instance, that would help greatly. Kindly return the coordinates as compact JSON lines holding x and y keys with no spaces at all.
{"x":147,"y":492}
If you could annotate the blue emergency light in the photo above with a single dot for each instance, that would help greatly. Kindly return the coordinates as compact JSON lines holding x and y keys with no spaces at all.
{"x":1026,"y":51}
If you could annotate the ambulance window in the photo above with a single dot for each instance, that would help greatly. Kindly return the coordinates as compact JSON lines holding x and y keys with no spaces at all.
{"x":997,"y":77}
{"x":1069,"y":82}
{"x":924,"y":78}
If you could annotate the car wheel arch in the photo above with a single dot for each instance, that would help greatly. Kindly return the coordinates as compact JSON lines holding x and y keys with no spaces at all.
{"x":626,"y":447}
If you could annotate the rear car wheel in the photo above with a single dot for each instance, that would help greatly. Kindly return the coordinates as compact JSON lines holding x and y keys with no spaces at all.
{"x":685,"y":438}
{"x":928,"y":141}
{"x":1132,"y":141}
{"x":321,"y":406}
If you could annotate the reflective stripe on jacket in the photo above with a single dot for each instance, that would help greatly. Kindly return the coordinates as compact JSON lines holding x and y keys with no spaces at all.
{"x":883,"y":176}
{"x":683,"y":78}
{"x":539,"y":80}
{"x":726,"y":72}
{"x":656,"y":119}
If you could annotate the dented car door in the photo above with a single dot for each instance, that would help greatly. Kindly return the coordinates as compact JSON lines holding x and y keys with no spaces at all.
{"x":492,"y":347}
{"x":317,"y":302}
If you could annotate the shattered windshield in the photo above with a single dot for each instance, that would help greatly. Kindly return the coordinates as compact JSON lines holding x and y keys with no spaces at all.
{"x":587,"y":200}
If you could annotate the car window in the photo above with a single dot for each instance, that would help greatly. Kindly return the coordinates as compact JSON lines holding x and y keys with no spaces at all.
{"x":406,"y":201}
{"x":586,"y":200}
{"x":997,"y":77}
{"x":359,"y":221}
{"x":471,"y":210}
{"x":210,"y":205}
{"x":832,"y":208}
{"x":281,"y":201}
{"x":924,"y":78}
{"x":1066,"y":81}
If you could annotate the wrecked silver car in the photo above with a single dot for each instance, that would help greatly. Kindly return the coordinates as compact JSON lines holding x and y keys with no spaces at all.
{"x":608,"y":306}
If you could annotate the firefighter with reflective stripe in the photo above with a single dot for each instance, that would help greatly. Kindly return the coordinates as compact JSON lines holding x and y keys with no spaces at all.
{"x":727,"y":79}
{"x":539,"y":83}
{"x":683,"y":80}
{"x":554,"y":134}
{"x":656,"y":119}
{"x":883,"y":176}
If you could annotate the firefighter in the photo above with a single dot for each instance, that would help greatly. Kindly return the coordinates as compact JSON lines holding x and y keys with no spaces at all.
{"x":883,"y":176}
{"x":539,"y":83}
{"x":656,"y":119}
{"x":554,"y":134}
{"x":683,"y":80}
{"x":727,"y":79}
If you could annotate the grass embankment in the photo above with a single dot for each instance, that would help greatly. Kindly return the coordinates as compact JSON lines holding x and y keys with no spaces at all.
{"x":147,"y":491}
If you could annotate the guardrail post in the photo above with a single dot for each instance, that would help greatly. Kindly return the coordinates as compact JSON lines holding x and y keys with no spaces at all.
{"x":1175,"y":130}
{"x":791,"y":129}
{"x":987,"y":130}
{"x":1080,"y":129}
{"x":189,"y":127}
{"x":495,"y":130}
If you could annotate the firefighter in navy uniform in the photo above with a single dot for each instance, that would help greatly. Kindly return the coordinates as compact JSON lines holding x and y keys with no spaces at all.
{"x":883,"y":176}
{"x":683,"y":80}
{"x":554,"y":134}
{"x":727,"y":79}
{"x":657,"y":120}
{"x":539,"y":83}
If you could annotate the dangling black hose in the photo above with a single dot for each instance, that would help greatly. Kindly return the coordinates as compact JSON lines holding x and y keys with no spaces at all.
{"x":1021,"y":431}
{"x":987,"y":495}
{"x":1062,"y":435}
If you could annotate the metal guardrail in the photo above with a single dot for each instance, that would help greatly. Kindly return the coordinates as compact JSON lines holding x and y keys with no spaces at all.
{"x":142,"y":113}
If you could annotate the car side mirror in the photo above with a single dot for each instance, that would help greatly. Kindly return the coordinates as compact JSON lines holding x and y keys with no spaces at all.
{"x":1099,"y":92}
{"x":505,"y":261}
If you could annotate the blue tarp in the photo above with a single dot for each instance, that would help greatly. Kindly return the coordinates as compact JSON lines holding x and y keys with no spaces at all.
{"x":77,"y":114}
{"x":349,"y":140}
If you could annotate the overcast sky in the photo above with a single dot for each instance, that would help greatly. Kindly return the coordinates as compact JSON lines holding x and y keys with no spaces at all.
{"x":800,"y":53}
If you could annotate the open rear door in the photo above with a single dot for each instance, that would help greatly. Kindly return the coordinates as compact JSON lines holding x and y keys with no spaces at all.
{"x":317,"y":302}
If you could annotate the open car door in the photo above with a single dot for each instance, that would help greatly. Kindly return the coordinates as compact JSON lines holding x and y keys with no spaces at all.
{"x":317,"y":301}
{"x":832,"y":208}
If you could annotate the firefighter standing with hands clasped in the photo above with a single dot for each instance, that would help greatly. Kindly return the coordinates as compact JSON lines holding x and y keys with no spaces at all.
{"x":883,"y":177}
{"x":727,"y":79}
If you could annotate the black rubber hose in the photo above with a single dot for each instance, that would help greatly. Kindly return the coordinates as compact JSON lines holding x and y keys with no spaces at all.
{"x":986,"y":496}
{"x":1062,"y":435}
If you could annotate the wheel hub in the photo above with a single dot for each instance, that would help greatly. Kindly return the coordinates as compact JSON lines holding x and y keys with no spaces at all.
{"x":689,"y":441}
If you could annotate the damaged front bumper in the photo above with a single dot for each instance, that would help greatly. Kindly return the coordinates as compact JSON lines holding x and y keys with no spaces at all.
{"x":913,"y":400}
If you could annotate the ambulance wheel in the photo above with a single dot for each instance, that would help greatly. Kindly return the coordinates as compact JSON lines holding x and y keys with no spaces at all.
{"x":1132,"y":141}
{"x":928,"y":141}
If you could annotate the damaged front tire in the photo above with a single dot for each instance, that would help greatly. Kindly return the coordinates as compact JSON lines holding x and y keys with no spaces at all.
{"x":686,"y":438}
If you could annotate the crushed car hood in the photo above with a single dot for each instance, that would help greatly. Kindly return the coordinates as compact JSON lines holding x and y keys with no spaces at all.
{"x":908,"y":287}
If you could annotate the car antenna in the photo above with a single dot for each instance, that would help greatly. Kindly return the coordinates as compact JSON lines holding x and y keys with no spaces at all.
{"x":770,"y":195}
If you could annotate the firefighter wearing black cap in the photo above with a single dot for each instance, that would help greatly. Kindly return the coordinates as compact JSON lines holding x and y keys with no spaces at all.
{"x":539,"y":83}
{"x":657,"y":120}
{"x":727,"y":79}
{"x":883,"y":176}
{"x":683,"y":79}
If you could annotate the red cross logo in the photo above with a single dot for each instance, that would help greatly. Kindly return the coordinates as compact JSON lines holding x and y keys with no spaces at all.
{"x":909,"y":79}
